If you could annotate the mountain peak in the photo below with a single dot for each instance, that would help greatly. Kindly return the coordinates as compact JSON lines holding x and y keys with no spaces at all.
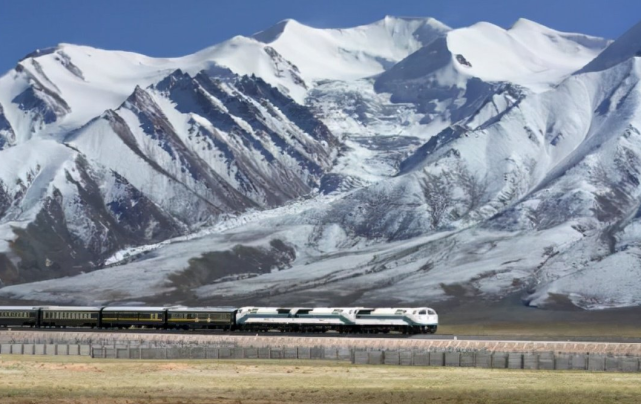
{"x":274,"y":32}
{"x":623,"y":48}
{"x":524,"y":23}
{"x":391,"y":19}
{"x":41,"y":52}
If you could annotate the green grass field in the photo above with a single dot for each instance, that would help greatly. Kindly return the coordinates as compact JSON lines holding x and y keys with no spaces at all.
{"x":26,"y":379}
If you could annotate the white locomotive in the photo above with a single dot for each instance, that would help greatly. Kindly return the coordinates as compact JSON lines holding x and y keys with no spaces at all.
{"x":412,"y":320}
{"x":416,"y":320}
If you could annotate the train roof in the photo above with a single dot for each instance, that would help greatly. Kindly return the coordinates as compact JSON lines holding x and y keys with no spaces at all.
{"x":19,"y":308}
{"x":134,"y":308}
{"x":202,"y":309}
{"x":71,"y":308}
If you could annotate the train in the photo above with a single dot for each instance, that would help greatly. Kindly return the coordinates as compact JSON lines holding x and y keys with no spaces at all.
{"x":344,"y":320}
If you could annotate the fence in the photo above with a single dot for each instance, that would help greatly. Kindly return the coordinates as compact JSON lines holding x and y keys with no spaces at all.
{"x":489,"y":360}
{"x":45,"y":349}
{"x":501,"y":360}
{"x":359,"y":356}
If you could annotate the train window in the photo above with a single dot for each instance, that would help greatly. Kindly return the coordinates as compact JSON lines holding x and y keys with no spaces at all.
{"x":422,"y":312}
{"x":431,"y":312}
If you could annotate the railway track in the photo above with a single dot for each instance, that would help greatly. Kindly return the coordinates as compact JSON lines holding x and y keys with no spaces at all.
{"x":147,"y":331}
{"x":274,"y":334}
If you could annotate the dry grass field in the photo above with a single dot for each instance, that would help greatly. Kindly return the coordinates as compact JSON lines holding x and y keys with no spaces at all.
{"x":560,"y":330}
{"x":25,"y":379}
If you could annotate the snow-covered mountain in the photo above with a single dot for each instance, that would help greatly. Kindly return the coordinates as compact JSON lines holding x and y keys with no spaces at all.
{"x":395,"y":162}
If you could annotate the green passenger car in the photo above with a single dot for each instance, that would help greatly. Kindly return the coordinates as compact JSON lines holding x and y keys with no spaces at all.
{"x":70,"y":316}
{"x":20,"y":316}
{"x":201,"y":318}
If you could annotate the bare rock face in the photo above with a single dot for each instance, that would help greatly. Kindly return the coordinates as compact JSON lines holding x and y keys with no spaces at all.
{"x":40,"y":103}
{"x":184,"y":152}
{"x":7,"y":136}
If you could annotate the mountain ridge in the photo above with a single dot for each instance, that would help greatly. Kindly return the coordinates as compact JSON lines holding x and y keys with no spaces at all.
{"x":397,"y":161}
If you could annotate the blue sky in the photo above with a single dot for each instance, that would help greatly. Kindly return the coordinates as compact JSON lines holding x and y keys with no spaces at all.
{"x":175,"y":28}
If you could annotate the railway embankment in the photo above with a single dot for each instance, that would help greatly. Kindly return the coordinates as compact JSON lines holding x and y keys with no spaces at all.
{"x":159,"y":339}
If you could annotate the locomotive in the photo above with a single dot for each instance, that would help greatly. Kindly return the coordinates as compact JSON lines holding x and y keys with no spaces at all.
{"x":352,"y":320}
